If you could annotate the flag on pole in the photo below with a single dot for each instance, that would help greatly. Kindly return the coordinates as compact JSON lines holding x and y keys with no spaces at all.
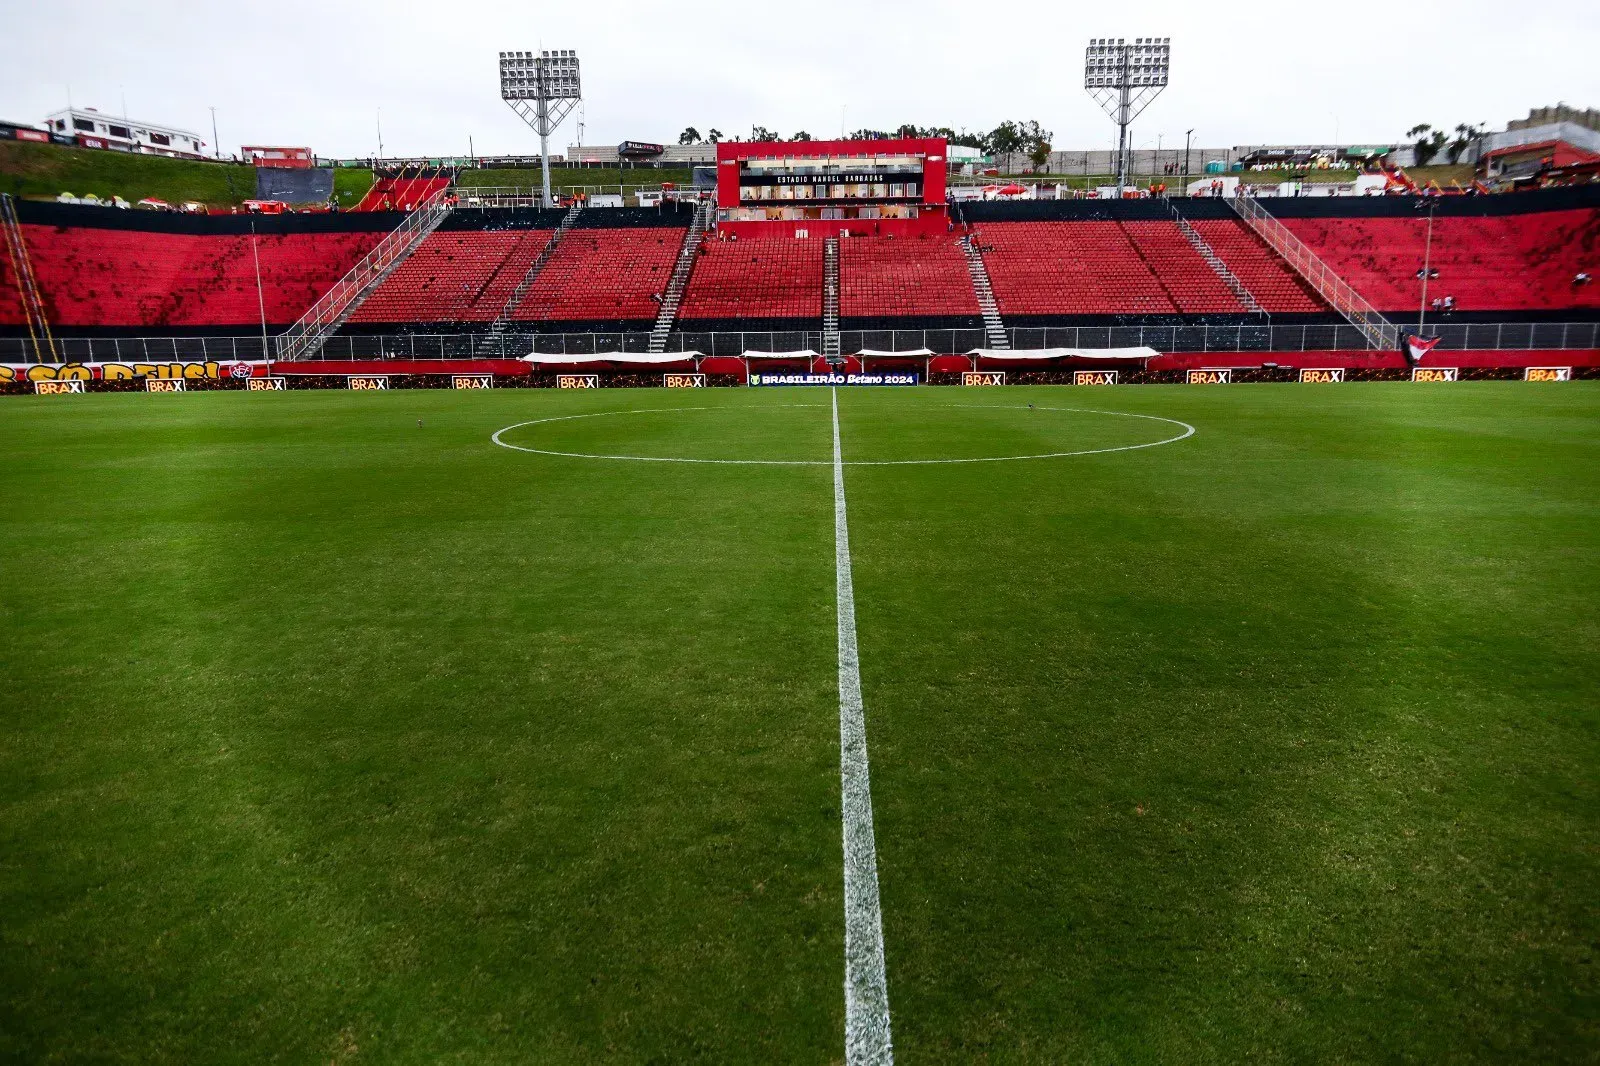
{"x":1414,"y":347}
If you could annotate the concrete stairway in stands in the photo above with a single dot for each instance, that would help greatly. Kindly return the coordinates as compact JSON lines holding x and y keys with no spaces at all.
{"x":1229,"y":278}
{"x":993,"y":328}
{"x":830,"y":298}
{"x":324,"y":318}
{"x":502,"y":321}
{"x":672,"y":299}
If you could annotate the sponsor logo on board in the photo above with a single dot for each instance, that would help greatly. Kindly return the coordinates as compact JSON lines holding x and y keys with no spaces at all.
{"x":1433,"y":373}
{"x":683,"y":381}
{"x":1223,"y":376}
{"x":59,"y":388}
{"x":763,"y":378}
{"x":1547,"y":373}
{"x":368,"y":382}
{"x":472,"y":381}
{"x":271,"y":384}
{"x":577,"y":381}
{"x":1094,"y":377}
{"x":983,"y":377}
{"x":165,"y":384}
{"x":1321,"y":375}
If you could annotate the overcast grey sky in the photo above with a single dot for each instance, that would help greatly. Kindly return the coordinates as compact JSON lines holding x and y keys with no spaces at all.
{"x":1244,"y":71}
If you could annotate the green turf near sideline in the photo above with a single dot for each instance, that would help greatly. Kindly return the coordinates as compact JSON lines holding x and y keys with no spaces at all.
{"x":327,"y":734}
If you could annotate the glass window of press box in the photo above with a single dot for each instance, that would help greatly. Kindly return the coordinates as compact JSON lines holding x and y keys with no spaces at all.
{"x":831,"y":178}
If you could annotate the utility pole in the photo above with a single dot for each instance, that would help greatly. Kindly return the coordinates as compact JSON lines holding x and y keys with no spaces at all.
{"x":1427,"y":260}
{"x":1187,"y":135}
{"x":216,"y":145}
{"x":380,"y":134}
{"x":261,"y":299}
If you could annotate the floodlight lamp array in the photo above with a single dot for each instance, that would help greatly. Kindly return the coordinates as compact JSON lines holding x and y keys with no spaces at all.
{"x":1113,"y":63}
{"x":549,"y":75}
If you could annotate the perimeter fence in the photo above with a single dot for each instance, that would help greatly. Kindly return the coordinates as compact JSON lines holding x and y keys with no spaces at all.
{"x":1492,"y":336}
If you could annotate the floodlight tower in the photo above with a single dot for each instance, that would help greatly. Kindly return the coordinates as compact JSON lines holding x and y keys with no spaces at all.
{"x":542,"y":88}
{"x":1123,"y":78}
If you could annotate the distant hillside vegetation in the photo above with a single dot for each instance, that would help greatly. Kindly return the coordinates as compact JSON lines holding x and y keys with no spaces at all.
{"x":44,"y":171}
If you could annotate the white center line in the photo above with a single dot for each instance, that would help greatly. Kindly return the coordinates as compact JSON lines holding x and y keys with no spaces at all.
{"x":866,"y":989}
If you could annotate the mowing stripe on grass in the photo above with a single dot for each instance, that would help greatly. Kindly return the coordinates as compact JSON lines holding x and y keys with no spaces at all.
{"x":866,"y":989}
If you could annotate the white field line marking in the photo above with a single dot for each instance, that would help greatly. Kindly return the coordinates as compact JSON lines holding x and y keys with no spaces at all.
{"x":1188,"y":431}
{"x":866,"y":989}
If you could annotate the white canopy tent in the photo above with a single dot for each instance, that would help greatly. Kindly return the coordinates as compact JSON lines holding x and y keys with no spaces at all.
{"x":914,"y":353}
{"x":805,"y":353}
{"x":643,"y":358}
{"x":1043,"y":354}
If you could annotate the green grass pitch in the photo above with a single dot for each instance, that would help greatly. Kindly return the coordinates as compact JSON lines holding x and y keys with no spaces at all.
{"x":329,"y":737}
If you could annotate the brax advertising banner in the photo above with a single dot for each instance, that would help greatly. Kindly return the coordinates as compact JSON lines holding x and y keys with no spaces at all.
{"x":903,"y":378}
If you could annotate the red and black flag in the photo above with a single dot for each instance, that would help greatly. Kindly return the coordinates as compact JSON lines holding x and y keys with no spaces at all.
{"x":1414,"y":347}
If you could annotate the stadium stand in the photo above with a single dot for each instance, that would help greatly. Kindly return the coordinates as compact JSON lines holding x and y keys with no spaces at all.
{"x":404,"y":191}
{"x":454,"y":276}
{"x":603,"y":275}
{"x":775,"y":279}
{"x":1069,"y":268}
{"x":1192,"y":285}
{"x":108,"y":272}
{"x":916,"y":277}
{"x":1274,"y":284}
{"x":96,"y":278}
{"x":1521,"y":262}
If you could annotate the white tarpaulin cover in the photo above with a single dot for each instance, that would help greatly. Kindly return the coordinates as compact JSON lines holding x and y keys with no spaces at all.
{"x":1066,"y":353}
{"x":871,"y":353}
{"x":612,"y":357}
{"x":806,"y":354}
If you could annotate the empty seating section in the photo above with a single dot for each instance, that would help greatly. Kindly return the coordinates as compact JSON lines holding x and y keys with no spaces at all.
{"x":95,"y":277}
{"x":10,"y":295}
{"x":883,"y":276}
{"x":776,"y":278}
{"x":1068,"y":268}
{"x":455,"y":276}
{"x":1273,"y":282}
{"x":134,"y":278}
{"x":1521,"y":262}
{"x":1194,"y":286}
{"x":400,"y":194}
{"x":603,"y":275}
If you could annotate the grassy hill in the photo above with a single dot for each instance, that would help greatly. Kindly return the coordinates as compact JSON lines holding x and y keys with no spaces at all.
{"x":594,"y":178}
{"x":44,"y":171}
{"x":1444,"y":175}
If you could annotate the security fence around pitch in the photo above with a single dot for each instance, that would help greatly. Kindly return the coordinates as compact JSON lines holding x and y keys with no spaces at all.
{"x":1492,"y":336}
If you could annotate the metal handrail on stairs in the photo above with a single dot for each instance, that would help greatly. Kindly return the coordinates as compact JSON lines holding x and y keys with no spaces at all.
{"x":1379,"y":332}
{"x":329,"y":313}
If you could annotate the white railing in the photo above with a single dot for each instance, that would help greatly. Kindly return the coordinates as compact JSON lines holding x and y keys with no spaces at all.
{"x":1379,"y":332}
{"x":517,"y":196}
{"x":328,"y":313}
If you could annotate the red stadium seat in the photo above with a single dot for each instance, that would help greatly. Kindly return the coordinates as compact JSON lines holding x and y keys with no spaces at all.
{"x":1523,"y":262}
{"x":603,"y":275}
{"x":890,"y":276}
{"x":775,"y":278}
{"x":129,"y":278}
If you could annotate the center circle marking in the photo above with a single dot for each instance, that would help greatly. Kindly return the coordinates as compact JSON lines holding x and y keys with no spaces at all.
{"x":1188,"y":431}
